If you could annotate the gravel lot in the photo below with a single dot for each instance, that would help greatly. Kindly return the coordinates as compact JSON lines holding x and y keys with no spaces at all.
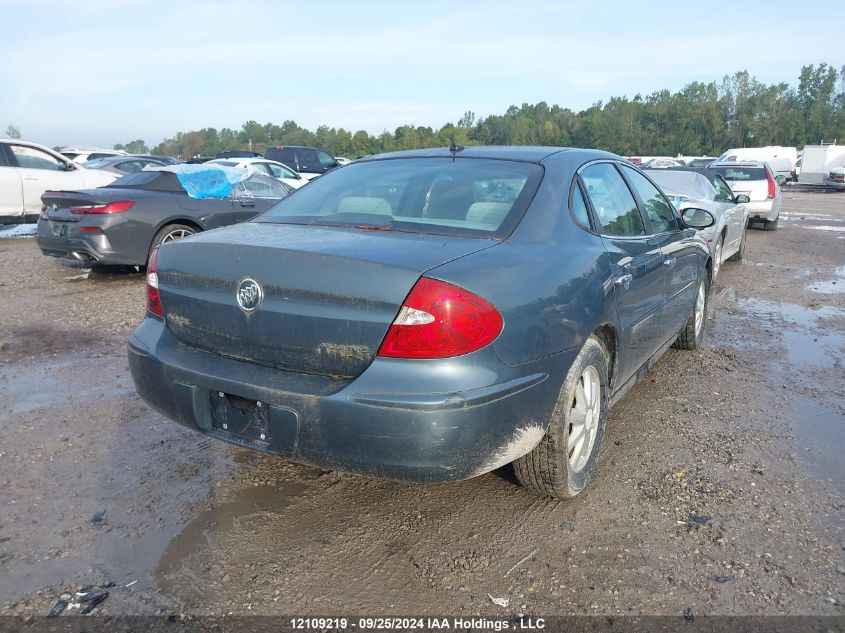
{"x":721,"y":487}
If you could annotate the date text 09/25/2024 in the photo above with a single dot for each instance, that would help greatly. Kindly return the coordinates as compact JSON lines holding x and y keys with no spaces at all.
{"x":420,"y":624}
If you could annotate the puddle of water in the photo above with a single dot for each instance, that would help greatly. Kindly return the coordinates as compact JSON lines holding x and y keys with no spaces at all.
{"x":831,"y":286}
{"x":810,"y":345}
{"x":209,"y":528}
{"x":824,"y":228}
{"x":819,"y":439}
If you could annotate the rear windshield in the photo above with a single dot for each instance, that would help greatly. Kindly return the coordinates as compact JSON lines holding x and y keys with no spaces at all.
{"x":740,"y":173}
{"x":461,"y":196}
{"x":150,"y":180}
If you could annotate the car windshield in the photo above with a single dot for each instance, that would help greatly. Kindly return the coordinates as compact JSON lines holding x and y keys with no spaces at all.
{"x":97,"y":163}
{"x":451,"y":196}
{"x":740,"y":173}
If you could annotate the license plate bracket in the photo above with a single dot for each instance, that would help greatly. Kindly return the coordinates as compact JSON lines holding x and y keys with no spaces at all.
{"x":239,"y":416}
{"x":59,"y":229}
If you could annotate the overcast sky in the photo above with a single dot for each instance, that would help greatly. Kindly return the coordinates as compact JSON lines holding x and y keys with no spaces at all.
{"x":95,"y":73}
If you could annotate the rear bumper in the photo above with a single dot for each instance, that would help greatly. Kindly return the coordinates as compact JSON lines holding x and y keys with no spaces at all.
{"x":836,"y":184}
{"x":398,"y":420}
{"x":93,"y":246}
{"x":761,"y":210}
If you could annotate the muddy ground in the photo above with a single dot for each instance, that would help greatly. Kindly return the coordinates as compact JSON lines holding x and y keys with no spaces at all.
{"x":746,"y":436}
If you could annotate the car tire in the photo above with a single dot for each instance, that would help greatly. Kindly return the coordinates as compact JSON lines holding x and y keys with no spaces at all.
{"x":717,"y":256}
{"x":171,"y":233}
{"x":549,"y":469}
{"x":772,"y":225}
{"x":693,"y":333}
{"x":740,"y":254}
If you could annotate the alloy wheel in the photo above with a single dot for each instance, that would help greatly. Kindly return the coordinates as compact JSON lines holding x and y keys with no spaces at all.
{"x":176,"y":234}
{"x":584,"y":418}
{"x":717,"y":257}
{"x":700,"y":302}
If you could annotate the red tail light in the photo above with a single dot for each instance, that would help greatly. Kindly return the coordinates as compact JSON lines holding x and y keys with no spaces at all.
{"x":771,"y":181}
{"x":153,"y":298}
{"x":439,"y":320}
{"x":99,"y":209}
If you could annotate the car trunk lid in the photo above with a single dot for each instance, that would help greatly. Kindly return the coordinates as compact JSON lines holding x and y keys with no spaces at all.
{"x":329,"y":293}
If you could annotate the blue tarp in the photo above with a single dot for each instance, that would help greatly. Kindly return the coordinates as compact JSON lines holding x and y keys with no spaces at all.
{"x":206,"y":181}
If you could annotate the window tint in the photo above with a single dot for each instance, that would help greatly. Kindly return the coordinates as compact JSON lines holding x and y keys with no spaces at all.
{"x":612,"y":201}
{"x":4,"y":162}
{"x":723,"y":191}
{"x":420,"y":195}
{"x":579,"y":207}
{"x":308,"y":161}
{"x":657,"y":207}
{"x":32,"y":158}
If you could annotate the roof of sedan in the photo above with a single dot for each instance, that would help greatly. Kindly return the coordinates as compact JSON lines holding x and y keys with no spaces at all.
{"x":528,"y":153}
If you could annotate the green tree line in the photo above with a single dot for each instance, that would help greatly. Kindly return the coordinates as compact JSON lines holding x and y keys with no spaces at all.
{"x":700,"y":119}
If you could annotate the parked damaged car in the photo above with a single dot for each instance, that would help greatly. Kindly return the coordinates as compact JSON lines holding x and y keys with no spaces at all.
{"x":429,"y":315}
{"x":121,"y":223}
{"x":689,"y":188}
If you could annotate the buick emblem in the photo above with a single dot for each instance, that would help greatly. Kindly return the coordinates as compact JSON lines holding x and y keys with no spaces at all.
{"x":249,"y":295}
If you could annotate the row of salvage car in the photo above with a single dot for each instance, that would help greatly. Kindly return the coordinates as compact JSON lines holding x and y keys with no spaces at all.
{"x":424,"y":316}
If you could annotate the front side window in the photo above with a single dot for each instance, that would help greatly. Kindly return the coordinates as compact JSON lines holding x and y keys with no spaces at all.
{"x":326,"y":160}
{"x":723,"y":192}
{"x":32,"y":158}
{"x":260,"y":186}
{"x":612,"y":201}
{"x":464,"y":196}
{"x":657,"y":207}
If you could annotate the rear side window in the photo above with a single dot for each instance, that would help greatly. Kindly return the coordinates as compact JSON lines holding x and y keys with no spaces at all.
{"x":282,"y":154}
{"x":579,"y":207}
{"x":463,"y":196}
{"x":612,"y":201}
{"x":740,"y":174}
{"x":657,"y":207}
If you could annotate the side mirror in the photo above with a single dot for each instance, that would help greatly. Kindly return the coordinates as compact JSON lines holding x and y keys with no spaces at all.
{"x":697,"y":218}
{"x":742,"y":199}
{"x":780,"y":179}
{"x":68,"y":166}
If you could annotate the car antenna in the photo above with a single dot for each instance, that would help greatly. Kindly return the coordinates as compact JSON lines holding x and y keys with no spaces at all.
{"x":454,"y":147}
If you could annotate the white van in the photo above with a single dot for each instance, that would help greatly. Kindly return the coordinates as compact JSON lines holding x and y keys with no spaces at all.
{"x":780,"y":159}
{"x":818,"y":161}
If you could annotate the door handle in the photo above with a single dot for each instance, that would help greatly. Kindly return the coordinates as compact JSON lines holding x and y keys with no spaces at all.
{"x":623,"y":280}
{"x":30,"y":178}
{"x":670,"y":261}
